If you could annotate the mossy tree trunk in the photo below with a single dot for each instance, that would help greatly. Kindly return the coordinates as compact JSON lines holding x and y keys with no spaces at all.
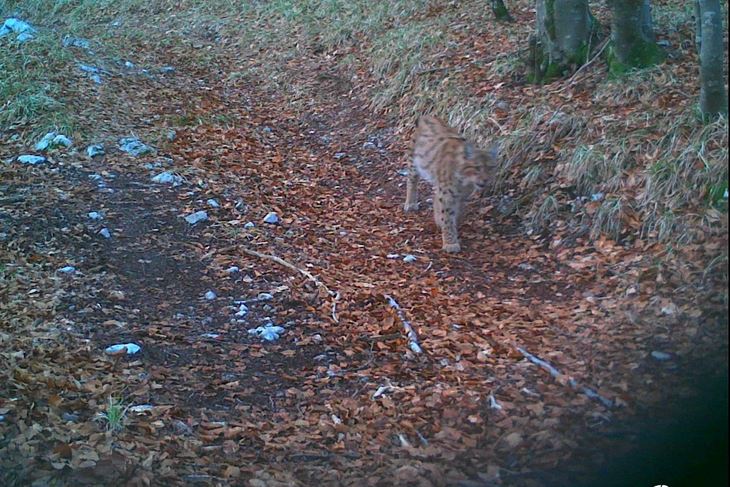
{"x":632,"y":36}
{"x":564,"y":29}
{"x":713,"y":97}
{"x":499,"y":9}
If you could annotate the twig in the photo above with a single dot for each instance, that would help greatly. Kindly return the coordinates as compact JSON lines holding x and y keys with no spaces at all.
{"x":570,"y":80}
{"x":410,"y":332}
{"x":304,"y":272}
{"x":502,"y":131}
{"x":572,"y":382}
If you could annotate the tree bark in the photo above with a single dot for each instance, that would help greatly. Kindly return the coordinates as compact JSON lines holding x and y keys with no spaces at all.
{"x":632,"y":36}
{"x":564,"y":29}
{"x":647,"y":24}
{"x":713,"y":97}
{"x":499,"y":9}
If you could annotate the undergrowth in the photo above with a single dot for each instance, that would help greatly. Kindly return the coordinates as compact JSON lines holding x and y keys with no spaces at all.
{"x":636,"y":140}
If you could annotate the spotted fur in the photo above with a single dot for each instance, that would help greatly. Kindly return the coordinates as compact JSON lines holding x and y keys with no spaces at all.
{"x":454,"y":167}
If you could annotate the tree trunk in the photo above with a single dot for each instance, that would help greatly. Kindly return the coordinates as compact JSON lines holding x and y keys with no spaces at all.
{"x":698,"y":26}
{"x":499,"y":9}
{"x":632,"y":37}
{"x":564,"y":29}
{"x":713,"y":97}
{"x":647,"y":25}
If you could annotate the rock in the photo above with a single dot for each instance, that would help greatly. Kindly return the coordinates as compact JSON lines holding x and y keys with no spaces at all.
{"x":213,"y":203}
{"x":171,"y":135}
{"x":526,"y":267}
{"x":233,"y":269}
{"x":271,"y":218}
{"x":141,"y":408}
{"x":392,"y":256}
{"x":23,"y":37}
{"x":89,"y":69}
{"x":95,"y":215}
{"x":267,"y":332}
{"x":181,"y":428}
{"x":31,"y":160}
{"x":129,"y":64}
{"x":69,"y":269}
{"x":70,"y":417}
{"x":669,"y":309}
{"x":210,"y":296}
{"x":340,"y":155}
{"x":409,"y":258}
{"x":167,"y":69}
{"x":134,"y":147}
{"x":104,"y":232}
{"x":95,"y":150}
{"x":597,"y":196}
{"x":661,"y":356}
{"x":75,"y":42}
{"x":130,"y":348}
{"x":168,"y":177}
{"x":23,"y":30}
{"x":249,"y":225}
{"x":242,"y":311}
{"x":93,"y":72}
{"x":52,"y":140}
{"x":264,"y":297}
{"x":213,"y":336}
{"x":198,"y":216}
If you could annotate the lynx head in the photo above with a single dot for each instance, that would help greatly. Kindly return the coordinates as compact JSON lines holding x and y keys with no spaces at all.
{"x":479,"y":166}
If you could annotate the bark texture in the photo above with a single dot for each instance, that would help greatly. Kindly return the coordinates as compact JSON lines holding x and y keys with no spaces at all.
{"x":632,"y":36}
{"x":713,"y":96}
{"x":564,"y":29}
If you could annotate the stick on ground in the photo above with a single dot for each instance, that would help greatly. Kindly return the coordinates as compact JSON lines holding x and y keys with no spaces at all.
{"x":572,"y":382}
{"x":410,"y":332}
{"x":335,"y":295}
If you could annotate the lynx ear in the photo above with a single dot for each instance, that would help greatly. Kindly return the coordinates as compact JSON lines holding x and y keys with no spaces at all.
{"x":469,"y":151}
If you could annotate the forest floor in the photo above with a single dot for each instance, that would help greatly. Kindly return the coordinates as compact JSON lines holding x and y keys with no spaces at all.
{"x":339,"y":398}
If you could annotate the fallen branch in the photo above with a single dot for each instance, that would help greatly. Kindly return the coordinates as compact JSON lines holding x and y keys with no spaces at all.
{"x":572,"y":382}
{"x":304,"y":272}
{"x":410,"y":332}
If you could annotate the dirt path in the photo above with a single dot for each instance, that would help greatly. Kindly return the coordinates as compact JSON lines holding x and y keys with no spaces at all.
{"x":330,"y":402}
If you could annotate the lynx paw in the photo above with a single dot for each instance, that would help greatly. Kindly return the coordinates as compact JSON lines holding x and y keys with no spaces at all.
{"x":410,"y":207}
{"x":452,"y":248}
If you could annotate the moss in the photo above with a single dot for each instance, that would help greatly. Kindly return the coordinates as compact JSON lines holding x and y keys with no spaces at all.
{"x":642,"y":55}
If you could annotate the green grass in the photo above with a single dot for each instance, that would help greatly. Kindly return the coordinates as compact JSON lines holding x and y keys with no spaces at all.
{"x":114,"y":415}
{"x":30,"y":88}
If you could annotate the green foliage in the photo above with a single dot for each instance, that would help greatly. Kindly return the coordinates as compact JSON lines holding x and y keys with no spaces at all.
{"x":114,"y":415}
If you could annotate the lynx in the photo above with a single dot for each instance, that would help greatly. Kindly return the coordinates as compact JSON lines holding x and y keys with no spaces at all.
{"x":454,"y":167}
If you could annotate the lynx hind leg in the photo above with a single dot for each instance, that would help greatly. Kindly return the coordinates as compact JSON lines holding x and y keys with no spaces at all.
{"x":448,"y":206}
{"x":411,"y":203}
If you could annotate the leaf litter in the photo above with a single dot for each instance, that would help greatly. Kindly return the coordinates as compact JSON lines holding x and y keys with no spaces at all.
{"x":331,"y":400}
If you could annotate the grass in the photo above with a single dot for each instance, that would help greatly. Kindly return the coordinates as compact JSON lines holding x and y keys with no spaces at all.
{"x":30,"y":88}
{"x":114,"y":415}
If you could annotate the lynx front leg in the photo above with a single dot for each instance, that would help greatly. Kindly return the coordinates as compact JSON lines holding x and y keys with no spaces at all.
{"x":447,"y":205}
{"x":411,"y":190}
